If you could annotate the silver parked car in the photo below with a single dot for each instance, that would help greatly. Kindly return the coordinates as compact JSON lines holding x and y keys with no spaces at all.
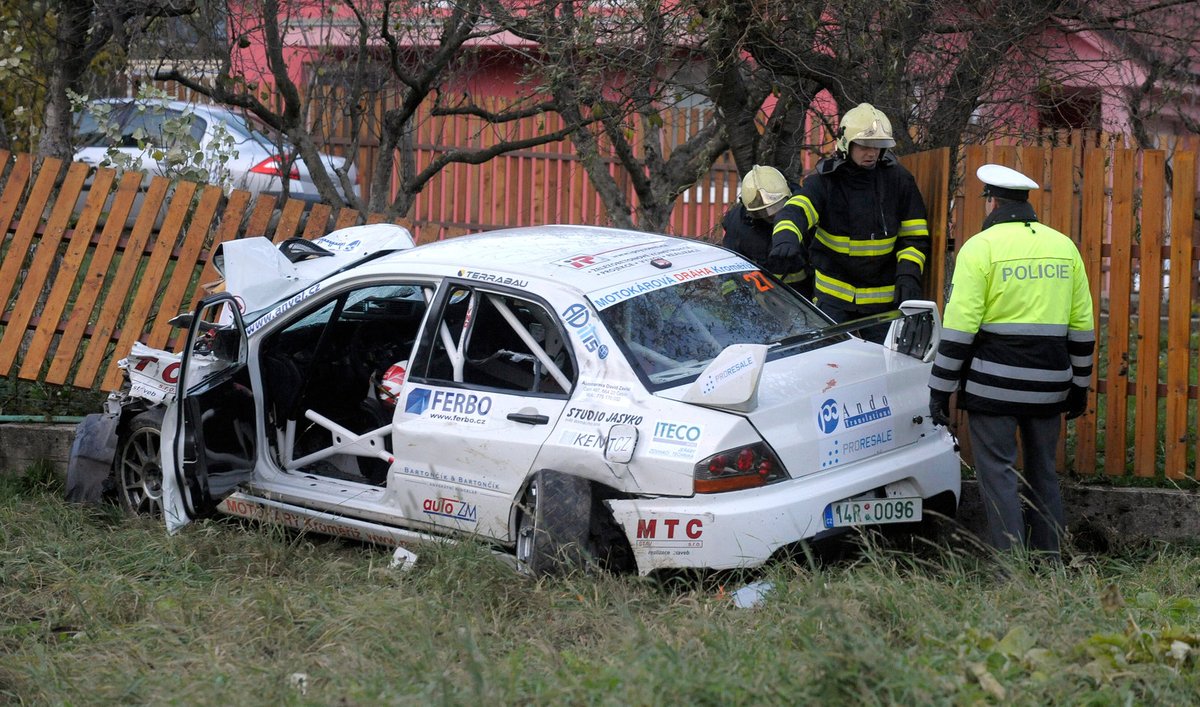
{"x":257,"y":165}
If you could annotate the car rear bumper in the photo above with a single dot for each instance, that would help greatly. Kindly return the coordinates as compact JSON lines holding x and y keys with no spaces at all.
{"x":744,"y":528}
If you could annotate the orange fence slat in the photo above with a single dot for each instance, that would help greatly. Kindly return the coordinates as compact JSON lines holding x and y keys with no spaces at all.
{"x":289,"y":220}
{"x":95,"y":280}
{"x":1120,"y":282}
{"x":138,"y":312}
{"x":14,"y":190}
{"x":19,"y":246}
{"x":64,"y":281}
{"x":1092,"y":225}
{"x":1149,"y":308}
{"x":41,"y":267}
{"x":184,"y":273}
{"x":1180,"y":433}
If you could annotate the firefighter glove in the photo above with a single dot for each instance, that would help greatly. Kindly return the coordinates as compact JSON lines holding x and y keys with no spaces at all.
{"x":939,"y":408}
{"x":908,"y":287}
{"x":1077,"y":400}
{"x":786,"y":255}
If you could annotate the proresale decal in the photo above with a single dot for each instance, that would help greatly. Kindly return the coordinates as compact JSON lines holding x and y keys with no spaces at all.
{"x":855,"y":422}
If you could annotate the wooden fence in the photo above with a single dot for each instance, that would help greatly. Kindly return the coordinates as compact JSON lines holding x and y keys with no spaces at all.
{"x":91,"y":263}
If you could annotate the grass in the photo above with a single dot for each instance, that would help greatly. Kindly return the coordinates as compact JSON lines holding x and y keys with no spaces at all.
{"x":96,"y":608}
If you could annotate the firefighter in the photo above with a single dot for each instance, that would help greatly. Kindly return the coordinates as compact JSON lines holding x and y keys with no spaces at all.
{"x":748,"y":225}
{"x":860,"y":222}
{"x":1017,"y":343}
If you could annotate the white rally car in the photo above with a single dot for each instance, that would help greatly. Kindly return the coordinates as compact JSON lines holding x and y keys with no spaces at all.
{"x":572,"y":394}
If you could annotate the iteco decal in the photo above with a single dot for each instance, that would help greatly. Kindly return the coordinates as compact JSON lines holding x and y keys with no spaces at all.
{"x":855,"y":423}
{"x":674,"y":440}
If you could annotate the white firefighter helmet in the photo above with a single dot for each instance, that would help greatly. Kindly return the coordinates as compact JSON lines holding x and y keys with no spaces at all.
{"x":763,"y":187}
{"x":866,"y":125}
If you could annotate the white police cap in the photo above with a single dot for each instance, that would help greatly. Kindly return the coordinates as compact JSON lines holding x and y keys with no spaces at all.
{"x":1004,"y":182}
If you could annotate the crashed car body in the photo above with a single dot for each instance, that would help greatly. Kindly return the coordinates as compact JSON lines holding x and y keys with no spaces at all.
{"x":573,"y":394}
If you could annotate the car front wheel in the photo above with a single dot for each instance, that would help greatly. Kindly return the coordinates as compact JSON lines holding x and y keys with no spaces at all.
{"x":553,"y":529}
{"x":138,"y":470}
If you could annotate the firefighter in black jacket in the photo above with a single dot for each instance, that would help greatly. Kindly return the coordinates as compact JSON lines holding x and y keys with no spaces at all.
{"x":859,"y":221}
{"x":748,"y":225}
{"x":1017,"y":342}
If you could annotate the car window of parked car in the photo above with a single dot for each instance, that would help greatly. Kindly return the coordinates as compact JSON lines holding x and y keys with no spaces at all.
{"x":501,"y":342}
{"x":671,"y":334}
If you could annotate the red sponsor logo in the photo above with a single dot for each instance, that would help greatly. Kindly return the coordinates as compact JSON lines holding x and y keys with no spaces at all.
{"x":669,"y":529}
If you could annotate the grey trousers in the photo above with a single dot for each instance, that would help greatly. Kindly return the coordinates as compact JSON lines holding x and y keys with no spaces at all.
{"x":1011,"y":500}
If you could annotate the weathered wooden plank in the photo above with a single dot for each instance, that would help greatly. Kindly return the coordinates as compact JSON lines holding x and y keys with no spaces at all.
{"x":974,"y":205}
{"x":260,"y":216}
{"x":1179,"y":317}
{"x":1092,"y":228}
{"x":64,"y":282}
{"x":318,"y":221}
{"x":113,"y":303}
{"x":184,"y":274}
{"x":41,"y":266}
{"x":1149,"y":308}
{"x":289,"y":220}
{"x":1119,"y":289}
{"x":1063,"y":202}
{"x":346,"y":218}
{"x":95,"y":280}
{"x":14,"y":191}
{"x":18,"y":247}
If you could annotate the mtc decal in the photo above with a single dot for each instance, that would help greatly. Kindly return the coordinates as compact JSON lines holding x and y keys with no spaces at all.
{"x":670,"y":531}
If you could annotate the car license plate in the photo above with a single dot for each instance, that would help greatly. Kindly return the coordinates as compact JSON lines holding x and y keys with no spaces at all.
{"x":872,"y":511}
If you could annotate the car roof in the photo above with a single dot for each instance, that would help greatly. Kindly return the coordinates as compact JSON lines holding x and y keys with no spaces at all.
{"x":586,"y":258}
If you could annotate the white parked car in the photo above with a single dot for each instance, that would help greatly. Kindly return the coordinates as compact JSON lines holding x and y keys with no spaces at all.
{"x":257,"y":164}
{"x":572,"y":394}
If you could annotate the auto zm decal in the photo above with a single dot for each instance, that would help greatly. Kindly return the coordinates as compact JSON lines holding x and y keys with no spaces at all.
{"x":452,"y":508}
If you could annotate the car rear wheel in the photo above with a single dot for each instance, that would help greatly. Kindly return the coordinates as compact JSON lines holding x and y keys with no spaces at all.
{"x":553,"y":529}
{"x":138,"y":471}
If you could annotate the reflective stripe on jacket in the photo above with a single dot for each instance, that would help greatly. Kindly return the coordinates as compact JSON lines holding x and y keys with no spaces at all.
{"x":1018,"y":328}
{"x":860,"y":227}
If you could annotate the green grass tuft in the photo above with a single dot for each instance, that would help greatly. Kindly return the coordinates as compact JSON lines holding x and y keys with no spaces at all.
{"x":99,"y":610}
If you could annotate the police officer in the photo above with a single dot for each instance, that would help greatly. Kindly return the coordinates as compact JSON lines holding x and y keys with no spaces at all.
{"x":860,"y":220}
{"x":748,"y":225}
{"x":1017,"y":344}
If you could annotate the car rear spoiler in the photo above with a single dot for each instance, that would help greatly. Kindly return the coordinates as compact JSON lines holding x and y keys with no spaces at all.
{"x":260,"y":273}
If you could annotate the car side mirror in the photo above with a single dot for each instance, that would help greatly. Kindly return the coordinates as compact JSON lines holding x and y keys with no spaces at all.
{"x":918,"y":332}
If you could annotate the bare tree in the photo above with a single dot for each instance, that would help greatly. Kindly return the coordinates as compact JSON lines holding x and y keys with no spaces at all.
{"x":81,"y":30}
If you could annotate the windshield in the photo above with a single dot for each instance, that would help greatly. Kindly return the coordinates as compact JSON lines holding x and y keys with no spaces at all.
{"x":671,"y":334}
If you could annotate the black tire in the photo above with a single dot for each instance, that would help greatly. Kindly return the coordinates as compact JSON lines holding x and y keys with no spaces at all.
{"x":553,"y":530}
{"x":137,"y":469}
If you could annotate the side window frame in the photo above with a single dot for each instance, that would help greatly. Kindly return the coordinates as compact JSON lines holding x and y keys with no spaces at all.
{"x":456,"y":343}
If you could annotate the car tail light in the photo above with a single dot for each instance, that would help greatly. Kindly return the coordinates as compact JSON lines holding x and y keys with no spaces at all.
{"x":273,"y":166}
{"x":740,"y":468}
